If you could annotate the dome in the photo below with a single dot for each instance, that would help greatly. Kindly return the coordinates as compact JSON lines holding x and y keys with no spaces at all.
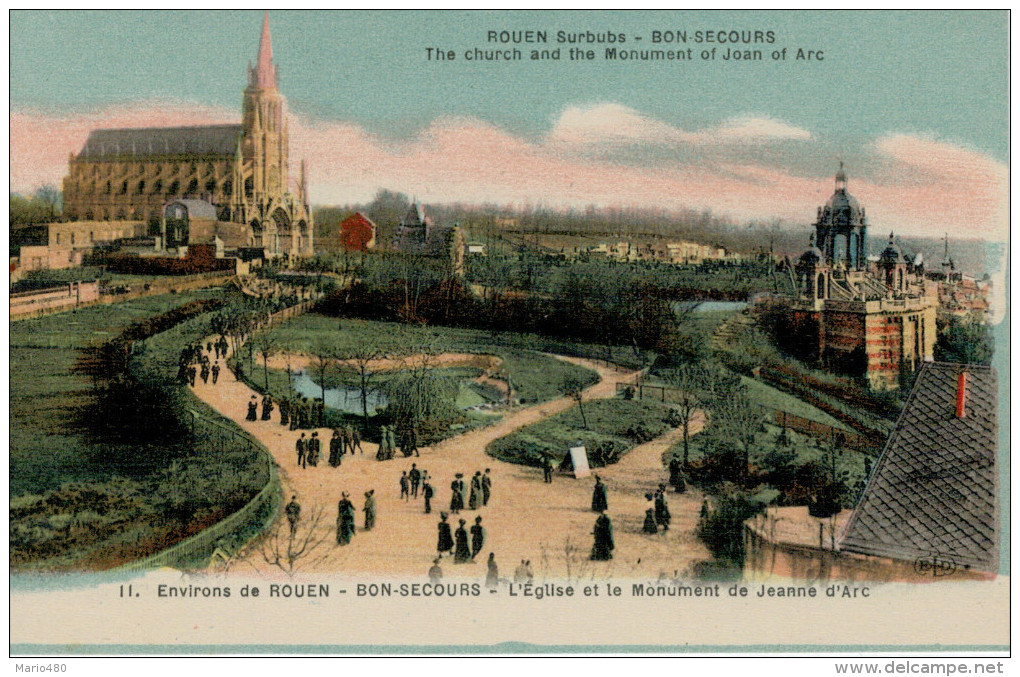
{"x":811,"y":255}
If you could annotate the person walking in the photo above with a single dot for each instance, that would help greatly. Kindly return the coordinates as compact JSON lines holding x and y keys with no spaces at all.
{"x":602,"y":550}
{"x":599,"y":497}
{"x":546,"y":469}
{"x":205,"y":372}
{"x":477,"y":537}
{"x":492,"y":572}
{"x":284,"y":411}
{"x":456,"y":494}
{"x":662,"y":516}
{"x":405,"y":486}
{"x":650,"y":527}
{"x":215,"y":373}
{"x":302,"y":449}
{"x":345,"y":520}
{"x":415,"y":477}
{"x":355,"y":440}
{"x":253,"y":408}
{"x":293,"y":512}
{"x":486,"y":487}
{"x":267,"y":407}
{"x":369,"y":509}
{"x":428,"y":492}
{"x":314,"y":450}
{"x":476,"y":491}
{"x":462,"y":553}
{"x":445,"y":542}
{"x":336,"y":452}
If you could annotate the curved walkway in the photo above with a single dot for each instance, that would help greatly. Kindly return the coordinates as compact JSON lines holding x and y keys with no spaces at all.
{"x":548,"y":524}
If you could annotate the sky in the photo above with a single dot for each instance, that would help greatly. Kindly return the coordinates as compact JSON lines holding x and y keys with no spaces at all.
{"x":915,"y":104}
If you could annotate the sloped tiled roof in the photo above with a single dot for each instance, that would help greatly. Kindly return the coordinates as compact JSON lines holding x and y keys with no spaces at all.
{"x":934,"y":490}
{"x":206,"y":140}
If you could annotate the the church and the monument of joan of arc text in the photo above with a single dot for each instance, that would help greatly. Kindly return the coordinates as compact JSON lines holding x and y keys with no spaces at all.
{"x":241,"y":171}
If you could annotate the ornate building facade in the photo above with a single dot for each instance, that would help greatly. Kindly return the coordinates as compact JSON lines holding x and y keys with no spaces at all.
{"x":853,"y":314}
{"x":241,"y":170}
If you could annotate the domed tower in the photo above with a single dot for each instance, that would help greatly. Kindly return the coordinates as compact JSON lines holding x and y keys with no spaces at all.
{"x":892,"y":265}
{"x":812,"y":273}
{"x":842,"y":228}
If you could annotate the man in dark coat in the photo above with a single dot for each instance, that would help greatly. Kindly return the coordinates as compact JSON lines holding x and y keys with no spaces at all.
{"x":314,"y":450}
{"x":412,"y":442}
{"x":476,"y":491}
{"x":302,"y":450}
{"x":192,"y":373}
{"x":662,"y":516}
{"x":215,"y":373}
{"x":457,"y":494}
{"x":599,"y":497}
{"x":405,"y":486}
{"x":461,"y":553}
{"x":603,"y":532}
{"x":345,"y":520}
{"x":253,"y":409}
{"x":477,"y":537}
{"x":284,"y":411}
{"x":415,"y":477}
{"x":204,"y":373}
{"x":428,"y":492}
{"x":293,"y":512}
{"x":355,"y":442}
{"x":445,"y":542}
{"x":546,"y":469}
{"x":486,"y":487}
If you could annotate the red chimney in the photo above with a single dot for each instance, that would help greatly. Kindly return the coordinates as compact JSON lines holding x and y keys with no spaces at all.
{"x":961,"y":395}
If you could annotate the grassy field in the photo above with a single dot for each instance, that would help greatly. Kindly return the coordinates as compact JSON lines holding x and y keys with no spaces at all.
{"x":83,"y":498}
{"x":46,"y":448}
{"x":614,"y":428}
{"x":536,"y":377}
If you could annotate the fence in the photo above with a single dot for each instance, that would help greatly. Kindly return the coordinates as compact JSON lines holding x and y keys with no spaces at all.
{"x":844,"y":438}
{"x":838,"y":436}
{"x":229,"y":533}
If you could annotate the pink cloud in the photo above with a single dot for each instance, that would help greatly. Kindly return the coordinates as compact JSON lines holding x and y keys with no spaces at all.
{"x":462,"y":159}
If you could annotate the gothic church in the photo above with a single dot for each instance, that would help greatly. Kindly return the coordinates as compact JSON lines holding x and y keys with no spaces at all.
{"x":240,"y":172}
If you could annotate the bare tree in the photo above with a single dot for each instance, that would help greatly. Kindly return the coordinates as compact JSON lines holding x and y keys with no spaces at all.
{"x":362,"y":358}
{"x":688,"y":381}
{"x":323,"y":361}
{"x":287,"y":548}
{"x":573,"y":388}
{"x":267,"y":346}
{"x":738,"y":420}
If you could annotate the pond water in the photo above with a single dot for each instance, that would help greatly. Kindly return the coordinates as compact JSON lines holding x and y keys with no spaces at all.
{"x":344,"y":398}
{"x":709,"y":306}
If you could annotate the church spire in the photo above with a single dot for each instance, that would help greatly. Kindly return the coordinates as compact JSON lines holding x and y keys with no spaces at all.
{"x":265,"y":70}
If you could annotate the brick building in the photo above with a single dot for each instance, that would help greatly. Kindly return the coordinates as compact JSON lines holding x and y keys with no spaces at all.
{"x":853,"y":314}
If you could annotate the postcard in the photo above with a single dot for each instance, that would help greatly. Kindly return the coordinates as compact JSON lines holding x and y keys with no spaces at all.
{"x":515,"y":332}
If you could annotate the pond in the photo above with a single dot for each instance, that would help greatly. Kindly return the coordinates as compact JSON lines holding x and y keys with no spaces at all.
{"x":343,"y":398}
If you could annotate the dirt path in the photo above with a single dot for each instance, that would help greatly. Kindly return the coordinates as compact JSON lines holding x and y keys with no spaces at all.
{"x":548,"y":524}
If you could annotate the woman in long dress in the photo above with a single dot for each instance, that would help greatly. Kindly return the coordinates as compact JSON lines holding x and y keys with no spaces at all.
{"x":445,"y":542}
{"x":492,"y":576}
{"x":476,"y":491}
{"x":462,"y":553}
{"x":345,"y":520}
{"x":369,"y":509}
{"x":456,"y":494}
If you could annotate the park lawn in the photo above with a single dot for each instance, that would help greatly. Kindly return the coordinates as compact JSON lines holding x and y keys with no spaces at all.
{"x":536,"y":377}
{"x":614,"y":428}
{"x":773,"y":398}
{"x":46,"y":446}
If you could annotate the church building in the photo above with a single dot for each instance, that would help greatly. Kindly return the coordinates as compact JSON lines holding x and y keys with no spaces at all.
{"x":854,"y":314}
{"x":240,"y":173}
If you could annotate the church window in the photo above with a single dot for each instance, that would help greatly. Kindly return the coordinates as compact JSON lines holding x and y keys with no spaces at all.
{"x":107,"y":189}
{"x":157,"y":187}
{"x":123,"y":188}
{"x":141,"y":187}
{"x":228,"y":187}
{"x":193,"y":186}
{"x":210,"y":186}
{"x":174,"y":187}
{"x":249,"y":187}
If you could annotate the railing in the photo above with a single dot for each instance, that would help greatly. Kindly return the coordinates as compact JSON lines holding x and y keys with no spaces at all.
{"x":226,"y":534}
{"x":837,"y":436}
